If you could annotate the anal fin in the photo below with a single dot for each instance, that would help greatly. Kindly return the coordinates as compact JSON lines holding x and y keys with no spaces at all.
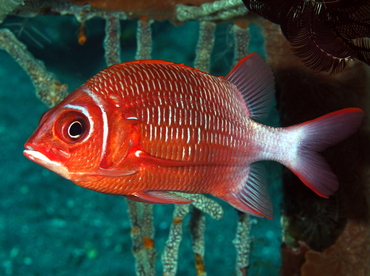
{"x":158,"y":197}
{"x":253,"y":198}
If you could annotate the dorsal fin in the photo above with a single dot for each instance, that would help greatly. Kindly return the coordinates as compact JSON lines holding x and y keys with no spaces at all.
{"x":255,"y":80}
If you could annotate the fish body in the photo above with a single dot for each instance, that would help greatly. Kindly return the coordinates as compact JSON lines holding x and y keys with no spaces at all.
{"x":146,"y":129}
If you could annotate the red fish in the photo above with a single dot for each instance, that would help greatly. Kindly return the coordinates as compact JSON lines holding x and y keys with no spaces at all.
{"x":146,"y":129}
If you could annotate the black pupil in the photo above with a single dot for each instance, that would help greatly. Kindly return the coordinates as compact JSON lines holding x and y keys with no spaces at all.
{"x":75,"y":129}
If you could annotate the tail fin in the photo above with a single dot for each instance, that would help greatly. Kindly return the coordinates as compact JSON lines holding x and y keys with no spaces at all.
{"x":315,"y":136}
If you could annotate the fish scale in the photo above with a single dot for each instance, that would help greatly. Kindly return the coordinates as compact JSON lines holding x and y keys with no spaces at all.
{"x":212,"y":147}
{"x":145,"y":109}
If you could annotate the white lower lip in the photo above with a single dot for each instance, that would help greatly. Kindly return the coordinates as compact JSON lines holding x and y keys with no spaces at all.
{"x":41,"y":159}
{"x":36,"y":156}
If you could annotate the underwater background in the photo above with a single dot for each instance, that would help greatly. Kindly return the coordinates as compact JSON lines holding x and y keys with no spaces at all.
{"x":50,"y":226}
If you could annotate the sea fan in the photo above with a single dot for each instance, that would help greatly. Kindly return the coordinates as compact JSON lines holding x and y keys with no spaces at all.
{"x":348,"y":256}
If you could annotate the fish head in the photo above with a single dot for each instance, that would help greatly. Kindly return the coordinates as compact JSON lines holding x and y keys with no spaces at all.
{"x":69,"y":139}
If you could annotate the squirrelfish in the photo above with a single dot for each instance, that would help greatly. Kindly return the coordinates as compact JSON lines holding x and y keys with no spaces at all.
{"x":147,"y":129}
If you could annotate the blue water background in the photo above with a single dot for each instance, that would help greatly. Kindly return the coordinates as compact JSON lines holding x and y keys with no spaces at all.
{"x":50,"y":226}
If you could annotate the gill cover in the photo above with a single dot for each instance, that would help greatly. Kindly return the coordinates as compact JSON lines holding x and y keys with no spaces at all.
{"x":119,"y":136}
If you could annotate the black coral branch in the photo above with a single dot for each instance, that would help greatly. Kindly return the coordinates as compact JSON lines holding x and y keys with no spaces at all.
{"x":324,"y":35}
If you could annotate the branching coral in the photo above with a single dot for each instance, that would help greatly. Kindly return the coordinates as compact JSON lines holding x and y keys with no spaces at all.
{"x":205,"y":46}
{"x":7,"y":6}
{"x":48,"y":88}
{"x":218,"y":10}
{"x":141,"y":215}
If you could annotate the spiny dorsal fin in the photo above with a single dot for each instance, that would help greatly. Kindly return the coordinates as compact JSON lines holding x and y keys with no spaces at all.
{"x":255,"y":80}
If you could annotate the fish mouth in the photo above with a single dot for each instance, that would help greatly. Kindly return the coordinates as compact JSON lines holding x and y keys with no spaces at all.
{"x":37,"y":155}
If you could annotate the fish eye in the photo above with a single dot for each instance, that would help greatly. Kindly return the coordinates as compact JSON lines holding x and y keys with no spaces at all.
{"x":72,"y":127}
{"x":75,"y":130}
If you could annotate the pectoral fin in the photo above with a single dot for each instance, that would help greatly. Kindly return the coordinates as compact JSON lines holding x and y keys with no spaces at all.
{"x":158,"y":197}
{"x":162,"y":162}
{"x":122,"y":135}
{"x":99,"y":174}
